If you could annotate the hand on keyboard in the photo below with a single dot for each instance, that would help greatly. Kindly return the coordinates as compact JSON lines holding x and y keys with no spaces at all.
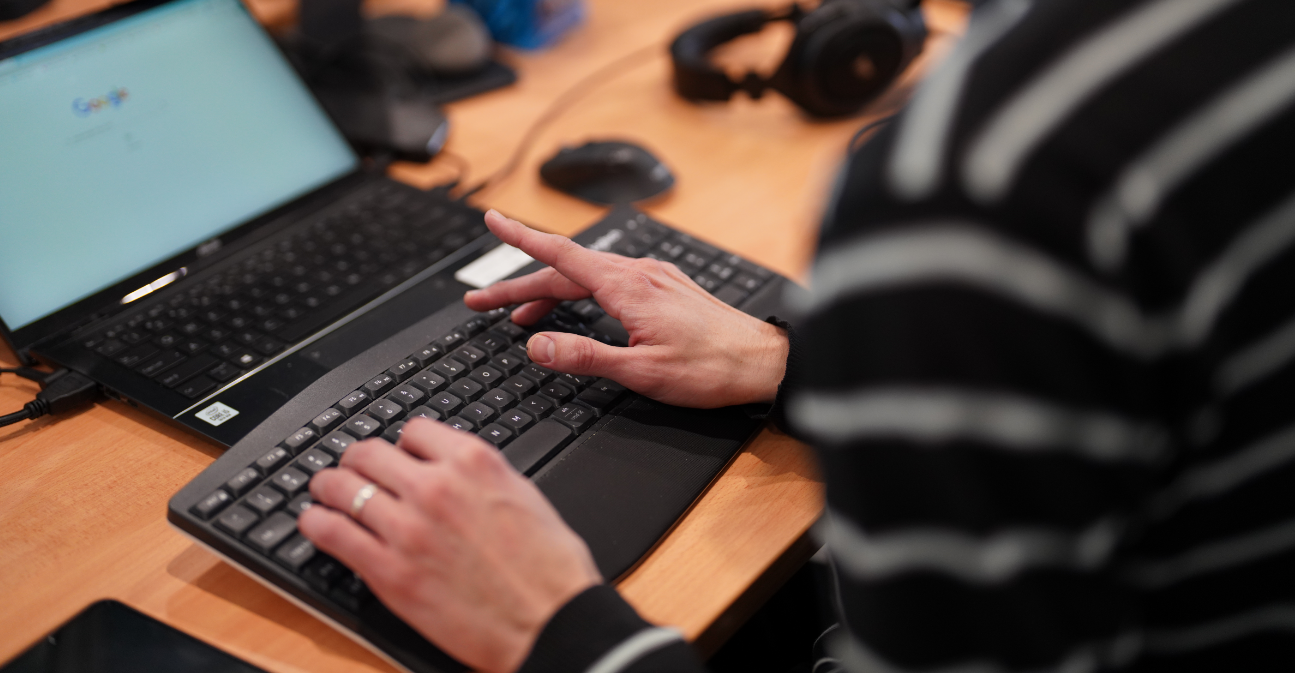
{"x":686,"y":347}
{"x":458,"y":544}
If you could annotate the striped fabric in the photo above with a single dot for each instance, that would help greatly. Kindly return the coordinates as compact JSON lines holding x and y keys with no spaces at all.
{"x":1049,"y":350}
{"x":1047,"y":358}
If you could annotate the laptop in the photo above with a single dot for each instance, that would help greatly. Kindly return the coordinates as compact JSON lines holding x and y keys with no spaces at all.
{"x":183,"y":223}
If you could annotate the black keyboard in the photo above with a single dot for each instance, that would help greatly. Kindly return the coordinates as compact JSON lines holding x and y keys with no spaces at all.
{"x":285,"y":289}
{"x":560,"y":429}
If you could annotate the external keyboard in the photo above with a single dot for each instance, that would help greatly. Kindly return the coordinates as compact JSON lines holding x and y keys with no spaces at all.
{"x":475,"y":376}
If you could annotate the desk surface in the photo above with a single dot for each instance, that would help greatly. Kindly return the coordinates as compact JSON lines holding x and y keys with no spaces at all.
{"x":83,"y":497}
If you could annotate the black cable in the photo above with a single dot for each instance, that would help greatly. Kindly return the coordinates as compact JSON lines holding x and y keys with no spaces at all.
{"x":854,"y":144}
{"x":556,"y":108}
{"x":25,"y":372}
{"x":62,"y":391}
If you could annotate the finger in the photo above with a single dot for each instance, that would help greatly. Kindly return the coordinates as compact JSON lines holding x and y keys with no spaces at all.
{"x":337,"y":489}
{"x":337,"y":535}
{"x":531,"y":312}
{"x":543,"y":284}
{"x":586,"y":268}
{"x":383,"y":464}
{"x":572,"y":354}
{"x":432,"y":440}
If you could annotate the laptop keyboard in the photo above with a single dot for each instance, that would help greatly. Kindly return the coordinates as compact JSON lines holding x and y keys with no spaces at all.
{"x":286,"y":289}
{"x":476,"y":378}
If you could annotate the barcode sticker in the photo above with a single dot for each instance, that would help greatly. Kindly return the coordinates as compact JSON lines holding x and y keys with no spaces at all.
{"x":217,"y":413}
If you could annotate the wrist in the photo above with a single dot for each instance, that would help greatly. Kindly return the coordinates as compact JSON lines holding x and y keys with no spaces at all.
{"x":767,"y":363}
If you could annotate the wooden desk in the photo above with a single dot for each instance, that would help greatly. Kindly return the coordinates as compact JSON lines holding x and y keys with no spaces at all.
{"x":83,"y":497}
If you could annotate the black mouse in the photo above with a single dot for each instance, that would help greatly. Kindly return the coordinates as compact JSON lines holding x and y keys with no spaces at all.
{"x":607,"y":172}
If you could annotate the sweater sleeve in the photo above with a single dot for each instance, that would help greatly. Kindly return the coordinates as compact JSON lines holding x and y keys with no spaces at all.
{"x":598,"y":632}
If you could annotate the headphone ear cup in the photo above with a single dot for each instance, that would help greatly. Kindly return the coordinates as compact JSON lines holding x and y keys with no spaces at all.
{"x":844,"y":55}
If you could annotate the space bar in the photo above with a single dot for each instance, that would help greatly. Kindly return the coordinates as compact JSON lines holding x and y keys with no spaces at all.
{"x":536,"y":446}
{"x":324,"y":315}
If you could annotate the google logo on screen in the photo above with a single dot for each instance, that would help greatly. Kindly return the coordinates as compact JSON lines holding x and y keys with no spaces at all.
{"x":84,"y":107}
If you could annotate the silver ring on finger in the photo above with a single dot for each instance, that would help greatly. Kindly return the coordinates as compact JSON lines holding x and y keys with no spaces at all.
{"x":362,"y":497}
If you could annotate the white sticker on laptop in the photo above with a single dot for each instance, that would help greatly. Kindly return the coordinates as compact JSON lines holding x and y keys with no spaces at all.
{"x":493,"y":266}
{"x":217,"y":413}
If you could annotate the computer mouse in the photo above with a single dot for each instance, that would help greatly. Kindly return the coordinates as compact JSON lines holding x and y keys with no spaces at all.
{"x":607,"y":172}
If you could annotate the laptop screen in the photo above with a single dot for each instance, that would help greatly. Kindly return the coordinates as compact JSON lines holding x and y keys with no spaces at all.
{"x":130,"y":143}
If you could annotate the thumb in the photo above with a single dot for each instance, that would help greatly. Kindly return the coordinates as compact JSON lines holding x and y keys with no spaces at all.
{"x":572,"y":354}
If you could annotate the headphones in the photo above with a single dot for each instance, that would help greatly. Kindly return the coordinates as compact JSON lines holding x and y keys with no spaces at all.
{"x":844,"y":54}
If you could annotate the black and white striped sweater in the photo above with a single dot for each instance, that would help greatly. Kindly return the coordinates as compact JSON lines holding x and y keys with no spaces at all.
{"x":1047,"y":358}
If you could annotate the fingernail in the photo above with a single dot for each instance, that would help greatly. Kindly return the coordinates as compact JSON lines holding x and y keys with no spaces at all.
{"x":540,"y":349}
{"x":471,"y":295}
{"x":494,"y":212}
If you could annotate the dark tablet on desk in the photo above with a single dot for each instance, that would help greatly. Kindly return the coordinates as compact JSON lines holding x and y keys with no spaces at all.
{"x":109,"y":637}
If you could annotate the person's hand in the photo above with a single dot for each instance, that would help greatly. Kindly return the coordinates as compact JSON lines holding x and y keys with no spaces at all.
{"x":686,"y":347}
{"x":455,"y":541}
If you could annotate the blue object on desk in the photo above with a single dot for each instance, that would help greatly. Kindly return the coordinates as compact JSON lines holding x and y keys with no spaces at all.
{"x":529,"y":24}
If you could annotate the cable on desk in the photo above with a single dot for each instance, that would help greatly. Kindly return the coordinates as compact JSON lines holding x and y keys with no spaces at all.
{"x":61,"y":391}
{"x":565,"y":100}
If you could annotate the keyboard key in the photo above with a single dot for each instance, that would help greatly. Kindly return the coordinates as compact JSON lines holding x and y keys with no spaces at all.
{"x":197,"y":387}
{"x":516,"y":420}
{"x":466,"y":389}
{"x":137,"y":355}
{"x":537,"y":373}
{"x":474,"y":326}
{"x":290,"y":480}
{"x":731,"y":295}
{"x":449,"y":341}
{"x":509,"y":330}
{"x":520,"y":386}
{"x":336,"y":442}
{"x":498,"y":399}
{"x":488,"y":377}
{"x":470,"y":355}
{"x":325,"y":422}
{"x":266,"y":536}
{"x":264,"y":500}
{"x":557,"y":392}
{"x":299,"y":440}
{"x":507,"y":363}
{"x":450,"y":368}
{"x":243,"y":481}
{"x":295,"y":553}
{"x":519,"y":350}
{"x":537,"y":406}
{"x":385,"y":411}
{"x":707,"y":282}
{"x":393,"y":432}
{"x":536,"y":446}
{"x":299,"y":504}
{"x":445,"y":403}
{"x":245,"y":358}
{"x":496,"y":434}
{"x":314,"y":460}
{"x":746,"y":281}
{"x":379,"y":385}
{"x":404,"y":369}
{"x":427,"y":355}
{"x":407,"y":396}
{"x":224,"y":372}
{"x":480,"y":414}
{"x":601,"y":396}
{"x":490,"y":343}
{"x":272,"y":460}
{"x":323,"y":572}
{"x":237,"y":519}
{"x":459,"y":423}
{"x":350,"y":592}
{"x":353,"y":403}
{"x":576,"y":382}
{"x":428,"y":381}
{"x":574,"y":416}
{"x":424,"y":412}
{"x":362,"y":426}
{"x":111,"y":347}
{"x":212,"y":504}
{"x":159,"y":363}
